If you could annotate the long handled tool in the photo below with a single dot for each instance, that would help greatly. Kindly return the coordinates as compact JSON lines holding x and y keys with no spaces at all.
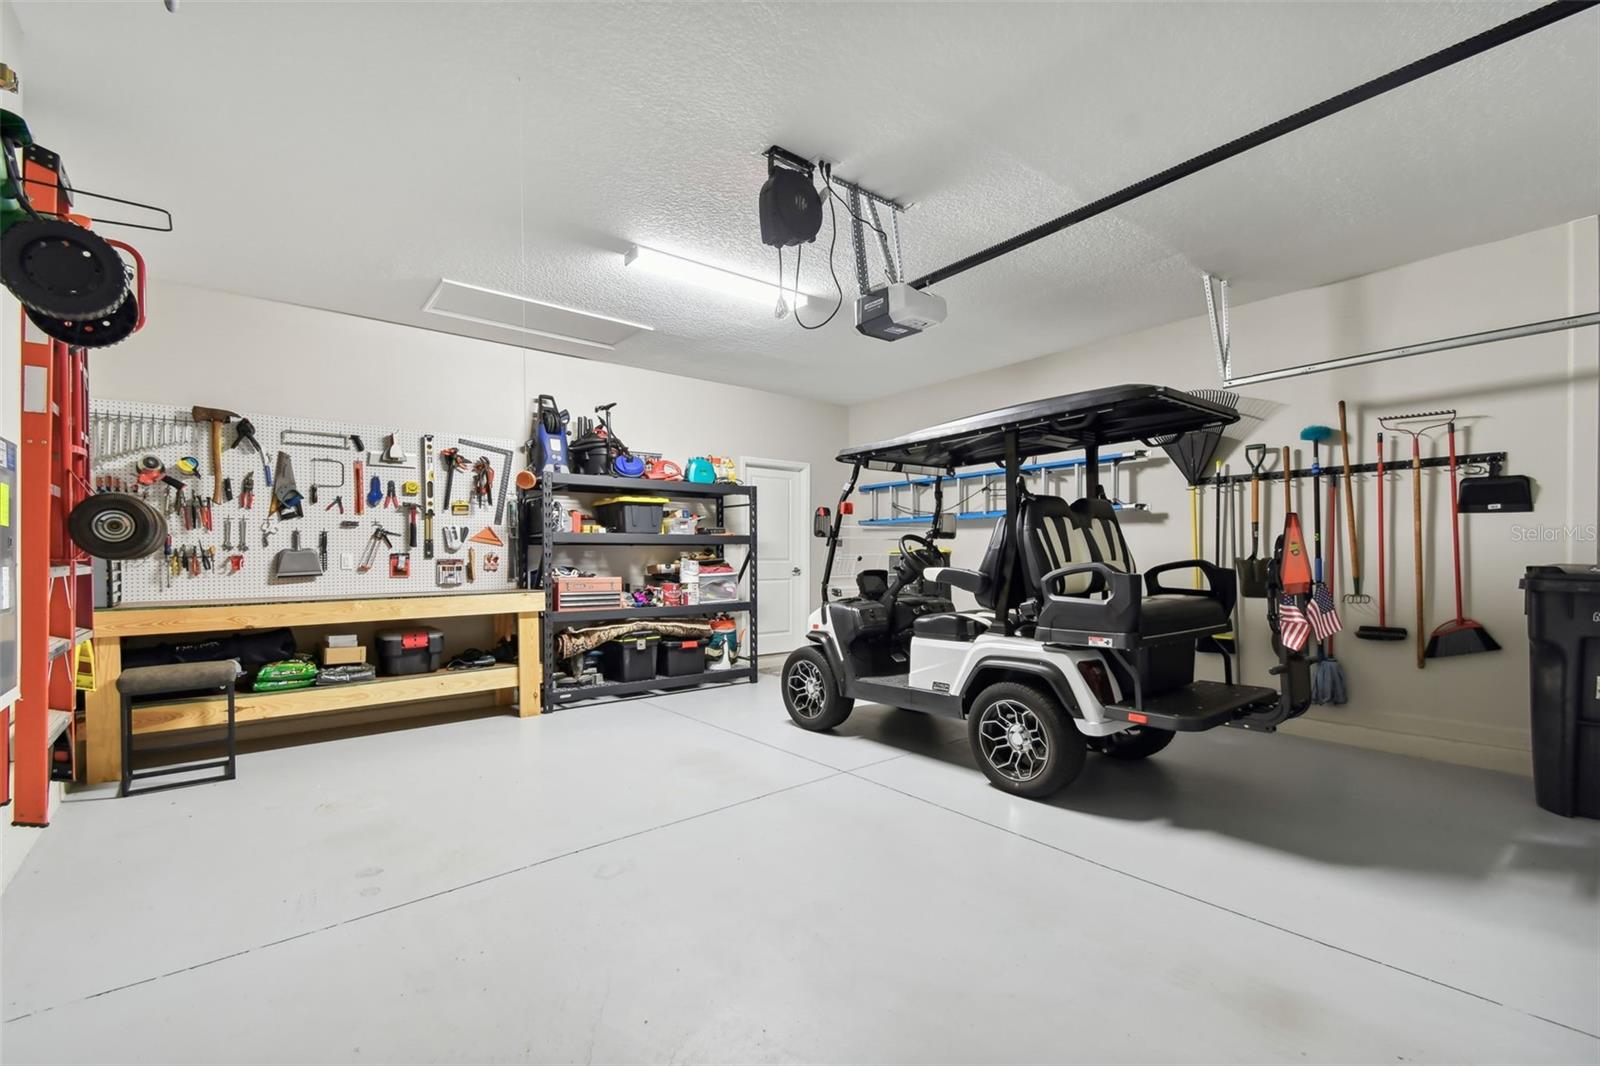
{"x":1383,"y":630}
{"x":1296,"y":577}
{"x":1393,"y":423}
{"x":1253,"y":571}
{"x":1320,"y":609}
{"x":1355,"y":595}
{"x":1327,"y":675}
{"x":1461,"y":635}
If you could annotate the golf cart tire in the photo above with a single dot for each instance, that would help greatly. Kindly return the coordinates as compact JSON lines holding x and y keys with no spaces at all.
{"x":1065,"y":747}
{"x":1137,"y":742}
{"x":115,"y":525}
{"x":811,"y":691}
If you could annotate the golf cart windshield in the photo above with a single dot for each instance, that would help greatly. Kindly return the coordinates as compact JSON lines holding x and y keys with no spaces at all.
{"x":1090,"y":419}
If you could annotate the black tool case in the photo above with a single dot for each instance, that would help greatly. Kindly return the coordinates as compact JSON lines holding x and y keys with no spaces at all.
{"x":419,"y":650}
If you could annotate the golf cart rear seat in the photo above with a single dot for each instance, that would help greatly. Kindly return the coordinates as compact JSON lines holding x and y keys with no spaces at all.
{"x":1088,"y":592}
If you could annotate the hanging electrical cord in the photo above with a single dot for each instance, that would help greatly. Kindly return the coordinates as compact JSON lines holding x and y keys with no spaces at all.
{"x":833,"y":240}
{"x":1445,"y":57}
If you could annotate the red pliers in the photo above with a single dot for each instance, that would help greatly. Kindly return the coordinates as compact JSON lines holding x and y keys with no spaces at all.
{"x":247,"y":491}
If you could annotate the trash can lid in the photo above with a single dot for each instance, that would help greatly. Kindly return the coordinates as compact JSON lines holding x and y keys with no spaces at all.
{"x":1570,"y":579}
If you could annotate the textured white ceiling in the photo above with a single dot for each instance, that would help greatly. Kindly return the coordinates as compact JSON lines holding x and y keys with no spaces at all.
{"x":349,"y":155}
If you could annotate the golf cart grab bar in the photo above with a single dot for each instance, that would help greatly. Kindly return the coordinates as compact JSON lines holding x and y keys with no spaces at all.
{"x":967,"y":580}
{"x":1119,"y":582}
{"x":1222,"y":582}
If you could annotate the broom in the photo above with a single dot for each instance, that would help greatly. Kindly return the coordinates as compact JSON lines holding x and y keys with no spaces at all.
{"x":1461,"y":635}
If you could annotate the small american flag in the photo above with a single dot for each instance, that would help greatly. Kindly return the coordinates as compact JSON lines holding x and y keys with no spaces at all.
{"x":1322,"y":614}
{"x":1293,"y":629}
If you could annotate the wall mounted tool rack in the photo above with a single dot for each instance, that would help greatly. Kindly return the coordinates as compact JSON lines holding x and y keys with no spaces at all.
{"x":980,"y":493}
{"x":1400,"y":465}
{"x":554,"y":538}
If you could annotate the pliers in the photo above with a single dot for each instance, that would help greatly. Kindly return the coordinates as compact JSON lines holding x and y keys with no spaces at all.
{"x":247,"y":491}
{"x":390,"y":499}
{"x":338,"y":501}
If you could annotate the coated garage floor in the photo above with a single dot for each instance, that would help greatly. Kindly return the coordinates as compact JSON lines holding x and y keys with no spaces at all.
{"x":690,"y":878}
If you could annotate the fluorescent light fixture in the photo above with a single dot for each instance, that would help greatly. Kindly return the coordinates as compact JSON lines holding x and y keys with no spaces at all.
{"x":507,"y":310}
{"x":710,"y":277}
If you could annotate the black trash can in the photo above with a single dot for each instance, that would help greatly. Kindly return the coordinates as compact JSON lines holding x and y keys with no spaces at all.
{"x":1562,"y":603}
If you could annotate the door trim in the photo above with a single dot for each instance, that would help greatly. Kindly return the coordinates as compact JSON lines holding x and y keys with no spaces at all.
{"x":800,"y":606}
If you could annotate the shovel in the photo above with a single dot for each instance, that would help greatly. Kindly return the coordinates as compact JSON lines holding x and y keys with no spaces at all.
{"x":295,"y":561}
{"x":1253,"y":571}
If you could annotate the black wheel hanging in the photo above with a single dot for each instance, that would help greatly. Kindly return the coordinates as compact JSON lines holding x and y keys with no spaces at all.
{"x":102,"y":331}
{"x":114,"y":525}
{"x":62,"y":270}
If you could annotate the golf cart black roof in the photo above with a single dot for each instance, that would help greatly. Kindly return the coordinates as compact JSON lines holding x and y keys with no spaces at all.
{"x":1116,"y":415}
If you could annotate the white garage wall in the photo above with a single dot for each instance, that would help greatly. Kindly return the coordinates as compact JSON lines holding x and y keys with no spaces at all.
{"x":1534,"y":398}
{"x":249,"y":355}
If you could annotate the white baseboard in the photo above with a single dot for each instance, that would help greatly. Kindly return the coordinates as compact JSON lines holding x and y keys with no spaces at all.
{"x":1460,"y":752}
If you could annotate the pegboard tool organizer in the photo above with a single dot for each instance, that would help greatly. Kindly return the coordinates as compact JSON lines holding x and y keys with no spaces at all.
{"x":122,"y":433}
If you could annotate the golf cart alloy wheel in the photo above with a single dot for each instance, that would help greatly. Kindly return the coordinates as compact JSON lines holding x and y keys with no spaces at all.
{"x":1013,"y":740}
{"x":1024,"y":740}
{"x":805,"y":688}
{"x":811,"y":691}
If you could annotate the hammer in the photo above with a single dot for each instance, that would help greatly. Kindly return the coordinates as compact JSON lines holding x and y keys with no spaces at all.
{"x":218,"y":418}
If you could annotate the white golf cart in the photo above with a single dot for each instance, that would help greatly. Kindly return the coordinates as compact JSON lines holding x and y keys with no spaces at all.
{"x":1072,"y":649}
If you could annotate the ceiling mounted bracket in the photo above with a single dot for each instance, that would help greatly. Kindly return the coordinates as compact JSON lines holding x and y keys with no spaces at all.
{"x":1217,"y":314}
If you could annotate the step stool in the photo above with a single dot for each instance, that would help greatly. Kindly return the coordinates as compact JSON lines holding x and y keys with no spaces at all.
{"x":169,"y":680}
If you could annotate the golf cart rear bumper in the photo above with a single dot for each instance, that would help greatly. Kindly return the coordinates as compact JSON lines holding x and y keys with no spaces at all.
{"x":1198,"y":706}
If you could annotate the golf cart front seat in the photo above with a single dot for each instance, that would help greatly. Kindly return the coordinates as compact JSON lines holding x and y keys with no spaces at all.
{"x":1082,"y":575}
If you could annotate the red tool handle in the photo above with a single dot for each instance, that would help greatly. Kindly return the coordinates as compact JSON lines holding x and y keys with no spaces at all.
{"x":1383,"y":608}
{"x":1455,"y":524}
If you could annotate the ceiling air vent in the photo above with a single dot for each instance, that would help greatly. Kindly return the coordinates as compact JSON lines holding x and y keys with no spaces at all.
{"x":487,"y":307}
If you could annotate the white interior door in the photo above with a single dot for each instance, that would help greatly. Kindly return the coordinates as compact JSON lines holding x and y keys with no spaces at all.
{"x":783,"y":550}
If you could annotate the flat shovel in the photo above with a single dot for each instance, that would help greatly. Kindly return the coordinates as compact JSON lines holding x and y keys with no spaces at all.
{"x":1254,"y":570}
{"x":295,"y":561}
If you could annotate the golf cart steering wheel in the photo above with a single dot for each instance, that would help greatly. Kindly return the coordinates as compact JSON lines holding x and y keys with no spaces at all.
{"x":917,"y":553}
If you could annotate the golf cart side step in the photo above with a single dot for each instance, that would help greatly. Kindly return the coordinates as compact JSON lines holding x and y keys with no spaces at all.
{"x":1197,"y":706}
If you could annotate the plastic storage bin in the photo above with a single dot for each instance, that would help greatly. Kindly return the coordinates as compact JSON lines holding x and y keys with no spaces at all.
{"x":631,"y":514}
{"x":419,"y":650}
{"x":1563,"y":608}
{"x":630,"y":658}
{"x":679,"y":658}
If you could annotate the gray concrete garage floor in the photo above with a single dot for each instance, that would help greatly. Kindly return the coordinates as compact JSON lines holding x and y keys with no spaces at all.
{"x":691,"y":878}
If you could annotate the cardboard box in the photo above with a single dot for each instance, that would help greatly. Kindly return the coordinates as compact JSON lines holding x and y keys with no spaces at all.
{"x":344,"y":656}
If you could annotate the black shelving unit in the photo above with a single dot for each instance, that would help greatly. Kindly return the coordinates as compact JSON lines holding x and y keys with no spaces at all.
{"x":551,"y":537}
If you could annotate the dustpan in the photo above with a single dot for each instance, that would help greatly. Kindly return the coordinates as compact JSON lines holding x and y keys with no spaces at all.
{"x":1504,"y":494}
{"x":295,"y":561}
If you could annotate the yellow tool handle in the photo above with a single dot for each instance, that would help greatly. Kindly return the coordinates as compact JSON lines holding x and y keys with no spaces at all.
{"x":216,"y":461}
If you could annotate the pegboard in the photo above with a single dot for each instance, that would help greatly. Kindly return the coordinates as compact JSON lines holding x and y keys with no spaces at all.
{"x":123,"y":432}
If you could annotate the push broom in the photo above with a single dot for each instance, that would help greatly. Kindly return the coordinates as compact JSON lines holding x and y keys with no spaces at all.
{"x":1461,"y":635}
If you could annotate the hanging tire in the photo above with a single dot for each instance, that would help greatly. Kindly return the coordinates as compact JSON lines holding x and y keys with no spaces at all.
{"x":1024,"y":740}
{"x":101,"y":331}
{"x":811,"y":691}
{"x":114,"y":525}
{"x":1135,"y":742}
{"x":62,"y":270}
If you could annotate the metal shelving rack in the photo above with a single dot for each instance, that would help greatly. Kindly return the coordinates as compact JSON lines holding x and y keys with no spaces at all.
{"x":553,"y":538}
